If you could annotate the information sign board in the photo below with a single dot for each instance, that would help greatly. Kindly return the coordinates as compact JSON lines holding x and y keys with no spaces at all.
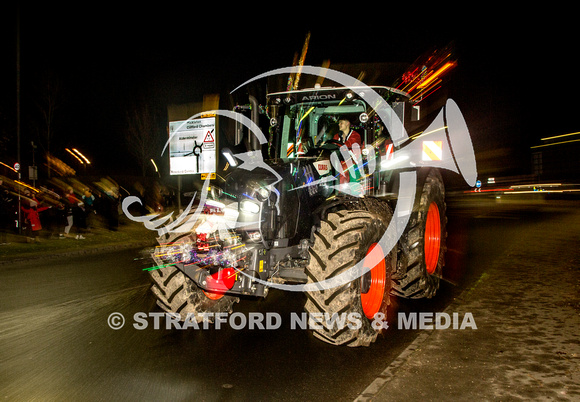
{"x":192,"y":146}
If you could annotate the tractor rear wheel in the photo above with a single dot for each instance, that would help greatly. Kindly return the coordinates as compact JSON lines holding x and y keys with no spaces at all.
{"x":422,"y":246}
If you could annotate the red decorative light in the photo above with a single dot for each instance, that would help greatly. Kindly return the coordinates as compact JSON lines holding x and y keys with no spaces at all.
{"x":221,"y":281}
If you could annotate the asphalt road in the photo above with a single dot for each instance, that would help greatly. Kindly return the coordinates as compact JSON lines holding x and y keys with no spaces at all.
{"x":56,"y":344}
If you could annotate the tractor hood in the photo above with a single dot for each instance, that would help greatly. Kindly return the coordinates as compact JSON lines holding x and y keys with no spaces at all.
{"x":273,"y":197}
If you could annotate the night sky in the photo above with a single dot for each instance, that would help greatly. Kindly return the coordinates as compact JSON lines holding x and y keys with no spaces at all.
{"x":515,"y":81}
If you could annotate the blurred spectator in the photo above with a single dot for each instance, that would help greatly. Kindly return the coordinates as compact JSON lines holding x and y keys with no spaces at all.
{"x":57,"y":220}
{"x":32,"y":219}
{"x":111,"y":200}
{"x":6,"y":209}
{"x":89,"y":201}
{"x":72,"y":206}
{"x":79,"y":219}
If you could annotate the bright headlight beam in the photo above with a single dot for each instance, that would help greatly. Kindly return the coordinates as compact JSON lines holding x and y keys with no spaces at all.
{"x":231,"y":159}
{"x":215,"y":203}
{"x":249,"y":207}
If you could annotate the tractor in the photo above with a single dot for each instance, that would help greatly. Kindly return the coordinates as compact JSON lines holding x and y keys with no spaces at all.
{"x":322,"y":195}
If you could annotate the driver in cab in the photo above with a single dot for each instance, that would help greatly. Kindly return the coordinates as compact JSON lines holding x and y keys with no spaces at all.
{"x":346,"y":135}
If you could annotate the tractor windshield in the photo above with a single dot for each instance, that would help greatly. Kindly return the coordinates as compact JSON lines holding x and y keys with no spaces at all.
{"x":307,"y":127}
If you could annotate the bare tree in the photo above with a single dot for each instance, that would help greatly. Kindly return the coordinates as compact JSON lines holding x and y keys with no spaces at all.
{"x":51,"y":98}
{"x":141,"y":134}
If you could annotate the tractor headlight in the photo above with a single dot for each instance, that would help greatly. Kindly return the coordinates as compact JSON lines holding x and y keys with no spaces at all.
{"x":262,"y":194}
{"x":249,"y":207}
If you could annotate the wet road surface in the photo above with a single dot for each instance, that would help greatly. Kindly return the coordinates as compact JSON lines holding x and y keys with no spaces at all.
{"x":56,"y":344}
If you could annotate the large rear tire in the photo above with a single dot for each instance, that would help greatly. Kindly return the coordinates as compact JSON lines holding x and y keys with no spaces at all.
{"x":341,"y":241}
{"x":422,"y":246}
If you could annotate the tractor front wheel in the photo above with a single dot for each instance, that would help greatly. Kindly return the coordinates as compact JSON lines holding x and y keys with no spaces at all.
{"x":354,"y":312}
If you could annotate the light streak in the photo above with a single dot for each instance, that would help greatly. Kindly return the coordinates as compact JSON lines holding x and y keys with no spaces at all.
{"x":161,"y":266}
{"x":491,"y":190}
{"x":26,"y":185}
{"x":9,"y":167}
{"x":555,"y":143}
{"x":73,"y":154}
{"x":559,"y":136}
{"x":436,"y":74}
{"x":301,"y":60}
{"x":425,"y":93}
{"x":422,"y":134}
{"x":82,"y":156}
{"x":306,"y":114}
{"x":537,"y":185}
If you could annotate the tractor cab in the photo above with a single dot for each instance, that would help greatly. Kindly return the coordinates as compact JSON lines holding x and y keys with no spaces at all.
{"x":305,"y":126}
{"x":307,"y":119}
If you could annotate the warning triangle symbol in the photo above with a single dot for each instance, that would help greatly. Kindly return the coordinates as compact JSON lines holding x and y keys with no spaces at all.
{"x":208,"y":137}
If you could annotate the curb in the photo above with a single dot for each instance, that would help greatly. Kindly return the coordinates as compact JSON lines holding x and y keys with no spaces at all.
{"x":375,"y":387}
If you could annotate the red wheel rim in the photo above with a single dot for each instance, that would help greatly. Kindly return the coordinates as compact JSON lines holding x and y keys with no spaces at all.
{"x":373,"y":299}
{"x":432,"y":238}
